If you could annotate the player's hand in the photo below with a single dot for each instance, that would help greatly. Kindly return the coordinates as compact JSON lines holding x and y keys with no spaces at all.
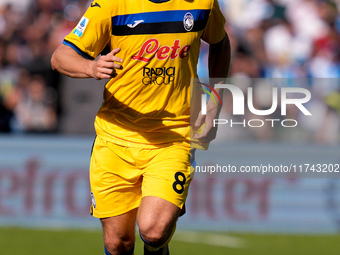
{"x":209,"y":132}
{"x":105,"y":66}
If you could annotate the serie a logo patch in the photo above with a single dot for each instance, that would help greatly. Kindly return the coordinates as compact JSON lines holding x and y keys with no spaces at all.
{"x":80,"y":29}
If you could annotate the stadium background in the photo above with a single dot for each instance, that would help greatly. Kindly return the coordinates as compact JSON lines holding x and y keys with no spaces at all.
{"x":46,"y":132}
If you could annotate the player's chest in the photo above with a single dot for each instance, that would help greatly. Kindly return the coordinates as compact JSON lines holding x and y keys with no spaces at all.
{"x":162,"y":34}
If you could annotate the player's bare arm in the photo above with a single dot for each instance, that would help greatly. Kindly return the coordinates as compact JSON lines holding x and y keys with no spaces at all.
{"x":68,"y":62}
{"x":219,"y":64}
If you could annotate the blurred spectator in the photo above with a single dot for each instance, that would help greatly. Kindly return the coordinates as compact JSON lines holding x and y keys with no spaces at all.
{"x":284,"y":38}
{"x":35,"y":109}
{"x":29,"y":33}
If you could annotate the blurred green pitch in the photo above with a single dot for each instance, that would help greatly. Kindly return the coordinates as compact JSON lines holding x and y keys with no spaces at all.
{"x":15,"y":241}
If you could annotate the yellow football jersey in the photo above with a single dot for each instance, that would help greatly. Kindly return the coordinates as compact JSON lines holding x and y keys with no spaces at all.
{"x":148,"y":103}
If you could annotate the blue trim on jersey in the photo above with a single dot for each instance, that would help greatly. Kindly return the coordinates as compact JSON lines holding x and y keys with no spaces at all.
{"x":157,"y":17}
{"x":83,"y":54}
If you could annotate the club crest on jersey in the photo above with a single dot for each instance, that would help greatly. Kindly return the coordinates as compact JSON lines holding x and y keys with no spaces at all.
{"x":188,"y":21}
{"x":81,"y":26}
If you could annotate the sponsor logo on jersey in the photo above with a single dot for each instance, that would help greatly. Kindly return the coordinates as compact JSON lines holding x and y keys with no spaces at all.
{"x":136,"y":23}
{"x":188,"y":21}
{"x":81,"y":27}
{"x":151,"y":49}
{"x":159,"y":76}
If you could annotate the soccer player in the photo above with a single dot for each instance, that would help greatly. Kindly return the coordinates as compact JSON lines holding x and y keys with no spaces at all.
{"x":140,"y":164}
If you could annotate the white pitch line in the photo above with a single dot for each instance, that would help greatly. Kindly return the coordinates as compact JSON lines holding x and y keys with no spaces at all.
{"x":210,"y":239}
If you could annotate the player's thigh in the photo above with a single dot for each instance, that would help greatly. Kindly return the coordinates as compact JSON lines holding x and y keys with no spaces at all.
{"x":164,"y":190}
{"x":157,"y":217}
{"x":115,"y":182}
{"x":169,"y":174}
{"x":119,"y":231}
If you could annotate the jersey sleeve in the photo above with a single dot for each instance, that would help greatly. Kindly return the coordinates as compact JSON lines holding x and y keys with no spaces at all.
{"x":93,"y":31}
{"x":214,"y":31}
